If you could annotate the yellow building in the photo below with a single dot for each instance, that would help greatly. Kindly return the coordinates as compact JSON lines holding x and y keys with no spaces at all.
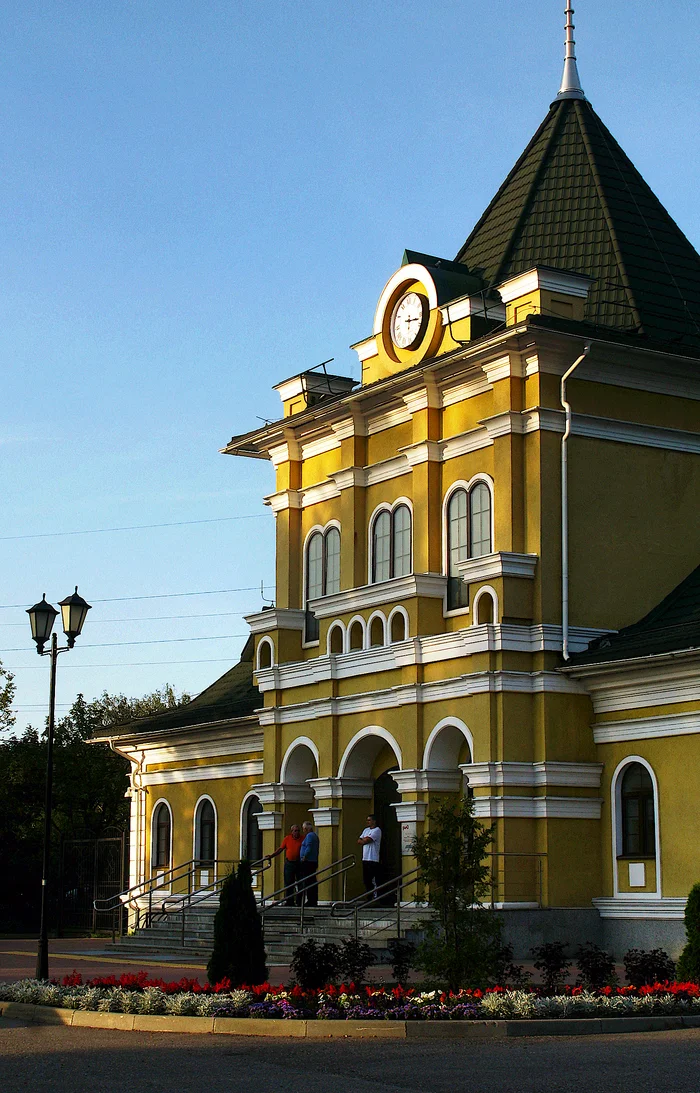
{"x":439,"y":579}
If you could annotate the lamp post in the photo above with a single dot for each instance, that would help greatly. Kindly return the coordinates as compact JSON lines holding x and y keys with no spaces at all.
{"x":42,"y":617}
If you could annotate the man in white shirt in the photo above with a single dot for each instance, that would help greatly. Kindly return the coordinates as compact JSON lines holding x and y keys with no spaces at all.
{"x":370,"y":840}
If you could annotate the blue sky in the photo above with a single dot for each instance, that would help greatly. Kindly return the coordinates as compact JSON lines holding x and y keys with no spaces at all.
{"x":200,"y":199}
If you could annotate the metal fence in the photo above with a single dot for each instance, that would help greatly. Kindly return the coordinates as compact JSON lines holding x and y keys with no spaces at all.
{"x":91,"y":869}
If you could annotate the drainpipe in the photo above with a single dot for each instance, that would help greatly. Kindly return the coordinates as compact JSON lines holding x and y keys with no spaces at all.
{"x":565,"y":504}
{"x":135,"y":778}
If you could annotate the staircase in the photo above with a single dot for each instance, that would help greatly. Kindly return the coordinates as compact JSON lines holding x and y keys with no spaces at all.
{"x":283,"y":928}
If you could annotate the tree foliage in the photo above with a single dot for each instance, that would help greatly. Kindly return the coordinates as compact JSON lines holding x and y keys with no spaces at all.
{"x":465,"y":945}
{"x":89,"y":784}
{"x":239,"y":948}
{"x":689,"y":962}
{"x":7,"y":696}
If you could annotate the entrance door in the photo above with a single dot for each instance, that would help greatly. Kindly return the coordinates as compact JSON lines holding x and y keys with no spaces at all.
{"x":385,"y":794}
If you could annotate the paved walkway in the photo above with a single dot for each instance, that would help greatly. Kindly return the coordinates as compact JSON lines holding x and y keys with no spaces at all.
{"x":75,"y":1060}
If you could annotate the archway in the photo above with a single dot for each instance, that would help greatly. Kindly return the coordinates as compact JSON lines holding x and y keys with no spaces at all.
{"x":299,"y":766}
{"x":368,"y":761}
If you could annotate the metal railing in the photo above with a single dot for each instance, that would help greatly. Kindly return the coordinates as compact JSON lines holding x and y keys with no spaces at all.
{"x":370,"y":900}
{"x":181,"y":904}
{"x":339,"y":868}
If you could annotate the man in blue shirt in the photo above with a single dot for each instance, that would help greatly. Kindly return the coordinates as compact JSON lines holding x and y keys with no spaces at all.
{"x":309,"y":864}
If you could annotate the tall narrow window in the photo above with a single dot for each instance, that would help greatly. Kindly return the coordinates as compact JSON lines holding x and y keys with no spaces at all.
{"x":638,"y":820}
{"x":161,"y":833}
{"x":391,"y":544}
{"x":252,"y":837}
{"x":322,"y":573}
{"x":205,"y":831}
{"x":468,"y":536}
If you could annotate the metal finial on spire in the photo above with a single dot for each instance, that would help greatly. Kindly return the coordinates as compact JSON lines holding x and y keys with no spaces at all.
{"x":570,"y":81}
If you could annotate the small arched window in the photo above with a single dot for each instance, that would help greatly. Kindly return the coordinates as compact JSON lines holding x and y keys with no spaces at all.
{"x":398,"y":627}
{"x":205,"y":829}
{"x":468,"y":536}
{"x":265,"y":653}
{"x":638,"y":812}
{"x":322,"y":573}
{"x":161,"y":832}
{"x":252,"y":837}
{"x":391,"y":544}
{"x":335,"y":640}
{"x":376,"y":631}
{"x":356,"y":636}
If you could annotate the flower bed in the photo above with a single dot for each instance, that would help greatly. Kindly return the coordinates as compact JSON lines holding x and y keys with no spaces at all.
{"x":187,"y":997}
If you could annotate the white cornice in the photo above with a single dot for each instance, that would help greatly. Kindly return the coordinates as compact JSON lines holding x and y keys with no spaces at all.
{"x":320,"y":446}
{"x":283,"y":453}
{"x":279,"y":793}
{"x":376,"y":595}
{"x":642,"y":682}
{"x":410,"y":811}
{"x":276,"y":618}
{"x":536,"y":808}
{"x":611,"y":429}
{"x":430,"y":781}
{"x":503,"y":368}
{"x":349,"y":427}
{"x":501,"y":564}
{"x":388,"y":419}
{"x":460,"y":392}
{"x":510,"y":421}
{"x":414,"y":694}
{"x":366,"y":349}
{"x":425,"y":451}
{"x":472,"y":306}
{"x":430,"y":649}
{"x":337,"y":789}
{"x":269,"y":821}
{"x":224,"y":744}
{"x":250,"y":768}
{"x":326,"y":817}
{"x":641,"y":906}
{"x":285,"y":499}
{"x":387,"y":470}
{"x":321,"y":491}
{"x":426,"y":397}
{"x":541,"y":277}
{"x":647,"y":728}
{"x":349,"y":477}
{"x":464,"y":443}
{"x":533,"y":775}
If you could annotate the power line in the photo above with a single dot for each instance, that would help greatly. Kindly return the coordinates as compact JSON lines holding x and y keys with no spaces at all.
{"x":158,"y":596}
{"x":123,"y":664}
{"x":152,"y":641}
{"x":156,"y":618}
{"x":132,"y":527}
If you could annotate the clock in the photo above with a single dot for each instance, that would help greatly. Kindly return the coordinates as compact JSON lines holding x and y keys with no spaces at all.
{"x":409,"y":320}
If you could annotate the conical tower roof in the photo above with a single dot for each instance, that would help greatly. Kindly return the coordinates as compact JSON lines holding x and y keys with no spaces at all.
{"x":576,"y":202}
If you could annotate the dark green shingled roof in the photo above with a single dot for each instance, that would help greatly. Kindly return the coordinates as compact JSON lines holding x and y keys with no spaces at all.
{"x":672,"y":626}
{"x":576,"y":202}
{"x":232,"y":695}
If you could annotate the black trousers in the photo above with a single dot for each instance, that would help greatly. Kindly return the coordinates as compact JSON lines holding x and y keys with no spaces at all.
{"x":292,"y":876}
{"x":370,"y":875}
{"x":309,"y":884}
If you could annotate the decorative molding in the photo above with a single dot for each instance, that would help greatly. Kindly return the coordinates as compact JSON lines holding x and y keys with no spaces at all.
{"x":413,"y":694}
{"x":388,"y":419}
{"x":647,"y":728}
{"x":641,"y":682}
{"x":349,"y":477}
{"x":500,"y":564}
{"x":335,"y":789}
{"x":275,"y":618}
{"x":326,"y":817}
{"x":269,"y":821}
{"x":386,"y":470}
{"x":285,"y":499}
{"x":547,"y":773}
{"x":366,"y":349}
{"x":454,"y":645}
{"x":320,"y":491}
{"x":430,"y":585}
{"x":430,"y":781}
{"x":426,"y":397}
{"x":611,"y":429}
{"x":503,"y":368}
{"x":476,"y":385}
{"x":351,"y":426}
{"x":641,"y":906}
{"x":412,"y":271}
{"x":203,"y":749}
{"x":510,"y":421}
{"x":543,"y":277}
{"x":473,"y":440}
{"x":320,"y":446}
{"x":282,"y":793}
{"x":468,"y":306}
{"x":245,"y":769}
{"x":425,"y":451}
{"x":410,"y":811}
{"x":285,"y":453}
{"x":537,"y":808}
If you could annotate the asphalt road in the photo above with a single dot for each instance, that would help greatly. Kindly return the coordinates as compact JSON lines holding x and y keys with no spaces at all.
{"x":48,"y":1058}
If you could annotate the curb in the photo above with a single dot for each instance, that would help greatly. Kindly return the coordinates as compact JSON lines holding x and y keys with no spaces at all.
{"x":324,"y":1030}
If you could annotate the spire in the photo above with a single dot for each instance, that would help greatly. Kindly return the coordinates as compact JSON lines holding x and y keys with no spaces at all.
{"x":570,"y":81}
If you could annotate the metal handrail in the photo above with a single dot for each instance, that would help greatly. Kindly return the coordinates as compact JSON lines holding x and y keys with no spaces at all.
{"x":539,"y":856}
{"x":345,"y":864}
{"x":189,"y":900}
{"x":353,"y":906}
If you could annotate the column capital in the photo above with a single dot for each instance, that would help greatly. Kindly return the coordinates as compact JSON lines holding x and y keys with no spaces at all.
{"x":431,"y":781}
{"x":335,"y":789}
{"x":325,"y":817}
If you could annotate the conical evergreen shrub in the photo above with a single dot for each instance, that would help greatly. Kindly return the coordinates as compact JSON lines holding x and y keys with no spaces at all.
{"x":688,"y":968}
{"x":239,"y":949}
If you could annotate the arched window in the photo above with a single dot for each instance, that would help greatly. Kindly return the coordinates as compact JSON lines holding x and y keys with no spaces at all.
{"x":638,"y":819}
{"x":391,"y":544}
{"x":322,"y":573}
{"x":205,"y":834}
{"x":252,"y":838}
{"x":265,"y":653}
{"x":356,"y":635}
{"x":335,"y":639}
{"x":468,"y":536}
{"x":376,"y":631}
{"x":161,"y":837}
{"x":397,"y":627}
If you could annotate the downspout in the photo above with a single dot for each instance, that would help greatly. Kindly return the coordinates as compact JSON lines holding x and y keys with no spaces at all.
{"x":135,"y":776}
{"x":565,"y":505}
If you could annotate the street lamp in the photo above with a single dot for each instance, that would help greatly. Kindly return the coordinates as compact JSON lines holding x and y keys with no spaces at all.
{"x":42,"y":617}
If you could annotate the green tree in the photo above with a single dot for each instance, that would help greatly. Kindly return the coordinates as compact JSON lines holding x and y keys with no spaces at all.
{"x":89,"y":785}
{"x":688,"y":967}
{"x":239,"y":948}
{"x":7,"y":697}
{"x":464,"y":946}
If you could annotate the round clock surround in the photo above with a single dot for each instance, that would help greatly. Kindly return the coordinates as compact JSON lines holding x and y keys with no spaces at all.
{"x":409,"y":320}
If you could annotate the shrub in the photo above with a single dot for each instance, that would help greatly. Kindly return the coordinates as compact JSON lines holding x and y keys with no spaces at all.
{"x":689,"y":962}
{"x":402,"y":954}
{"x":596,"y":967}
{"x":646,"y":967}
{"x":551,"y":960}
{"x":355,"y":958}
{"x":239,"y":949}
{"x":314,"y":965}
{"x":468,"y":955}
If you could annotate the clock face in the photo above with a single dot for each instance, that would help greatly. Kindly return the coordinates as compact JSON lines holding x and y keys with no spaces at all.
{"x":408,"y":321}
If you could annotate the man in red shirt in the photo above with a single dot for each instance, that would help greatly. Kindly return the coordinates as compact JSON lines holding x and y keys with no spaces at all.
{"x":291,"y":844}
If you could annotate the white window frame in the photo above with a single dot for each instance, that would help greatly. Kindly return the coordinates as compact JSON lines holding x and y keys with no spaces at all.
{"x":154,"y":810}
{"x":322,"y":528}
{"x":467,"y":485}
{"x":389,"y":507}
{"x":616,"y":825}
